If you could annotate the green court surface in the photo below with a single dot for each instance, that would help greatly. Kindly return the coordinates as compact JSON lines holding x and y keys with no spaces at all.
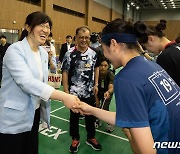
{"x":56,"y":140}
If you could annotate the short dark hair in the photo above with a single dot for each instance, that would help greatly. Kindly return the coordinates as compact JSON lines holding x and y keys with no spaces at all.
{"x":2,"y":36}
{"x":68,"y":36}
{"x":103,"y":58}
{"x":34,"y":19}
{"x":37,"y":18}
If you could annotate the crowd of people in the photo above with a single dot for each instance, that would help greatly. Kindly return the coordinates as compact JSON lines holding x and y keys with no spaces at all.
{"x":146,"y":91}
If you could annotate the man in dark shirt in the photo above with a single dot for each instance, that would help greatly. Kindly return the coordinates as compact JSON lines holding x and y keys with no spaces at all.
{"x":65,"y":47}
{"x":3,"y":47}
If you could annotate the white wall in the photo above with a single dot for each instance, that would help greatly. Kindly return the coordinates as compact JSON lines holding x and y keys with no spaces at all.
{"x":156,"y":15}
{"x":118,"y":6}
{"x":106,"y":3}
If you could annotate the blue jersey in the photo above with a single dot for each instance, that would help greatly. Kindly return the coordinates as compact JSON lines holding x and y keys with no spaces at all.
{"x":146,"y":96}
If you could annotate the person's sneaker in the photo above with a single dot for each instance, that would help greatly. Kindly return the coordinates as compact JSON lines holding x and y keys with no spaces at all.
{"x":110,"y":128}
{"x":94,"y":144}
{"x":74,"y":146}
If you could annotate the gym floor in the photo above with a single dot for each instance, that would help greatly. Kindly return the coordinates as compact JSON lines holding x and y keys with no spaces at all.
{"x":57,"y":139}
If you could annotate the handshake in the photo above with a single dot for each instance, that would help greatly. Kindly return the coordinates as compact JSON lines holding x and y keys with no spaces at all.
{"x":73,"y":102}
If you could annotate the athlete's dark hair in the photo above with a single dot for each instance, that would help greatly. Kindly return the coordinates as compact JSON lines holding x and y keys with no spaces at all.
{"x":142,"y":31}
{"x":34,"y":19}
{"x":103,"y":58}
{"x":119,"y":26}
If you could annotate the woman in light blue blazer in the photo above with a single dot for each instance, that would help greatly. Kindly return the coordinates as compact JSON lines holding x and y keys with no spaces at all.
{"x":25,"y":94}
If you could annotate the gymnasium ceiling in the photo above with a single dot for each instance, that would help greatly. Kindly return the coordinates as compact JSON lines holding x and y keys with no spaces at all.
{"x":156,"y":4}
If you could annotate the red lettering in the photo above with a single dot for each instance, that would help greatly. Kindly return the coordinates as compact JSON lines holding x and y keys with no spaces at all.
{"x":57,"y":79}
{"x":54,"y":78}
{"x":49,"y":78}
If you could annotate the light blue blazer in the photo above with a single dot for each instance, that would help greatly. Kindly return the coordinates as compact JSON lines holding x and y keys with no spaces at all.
{"x":21,"y":89}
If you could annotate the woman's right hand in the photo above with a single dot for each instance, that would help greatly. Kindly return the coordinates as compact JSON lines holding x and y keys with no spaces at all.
{"x":83,"y":108}
{"x":70,"y":100}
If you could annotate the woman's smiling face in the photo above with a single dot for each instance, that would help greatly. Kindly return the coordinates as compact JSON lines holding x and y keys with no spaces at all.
{"x":40,"y":33}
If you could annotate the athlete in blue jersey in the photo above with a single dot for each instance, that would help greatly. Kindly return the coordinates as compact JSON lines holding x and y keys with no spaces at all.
{"x":147,"y":98}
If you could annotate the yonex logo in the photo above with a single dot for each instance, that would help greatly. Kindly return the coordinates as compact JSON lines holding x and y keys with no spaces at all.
{"x":166,"y":145}
{"x":53,"y":131}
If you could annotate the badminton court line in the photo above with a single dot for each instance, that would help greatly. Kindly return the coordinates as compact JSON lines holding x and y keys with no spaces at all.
{"x":57,"y":109}
{"x":96,"y":129}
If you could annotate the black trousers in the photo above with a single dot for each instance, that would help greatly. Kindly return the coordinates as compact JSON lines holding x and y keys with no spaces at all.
{"x":22,"y":143}
{"x":0,"y":70}
{"x":106,"y":103}
{"x":89,"y":121}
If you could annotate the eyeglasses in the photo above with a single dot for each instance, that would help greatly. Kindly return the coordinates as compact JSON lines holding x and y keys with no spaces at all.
{"x":84,"y":37}
{"x":45,"y":26}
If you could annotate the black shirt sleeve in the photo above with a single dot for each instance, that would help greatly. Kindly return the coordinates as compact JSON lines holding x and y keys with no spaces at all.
{"x":169,"y":60}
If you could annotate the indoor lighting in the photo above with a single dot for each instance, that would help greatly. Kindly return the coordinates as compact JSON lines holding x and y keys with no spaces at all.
{"x":128,"y":7}
{"x":137,"y":7}
{"x":132,"y":3}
